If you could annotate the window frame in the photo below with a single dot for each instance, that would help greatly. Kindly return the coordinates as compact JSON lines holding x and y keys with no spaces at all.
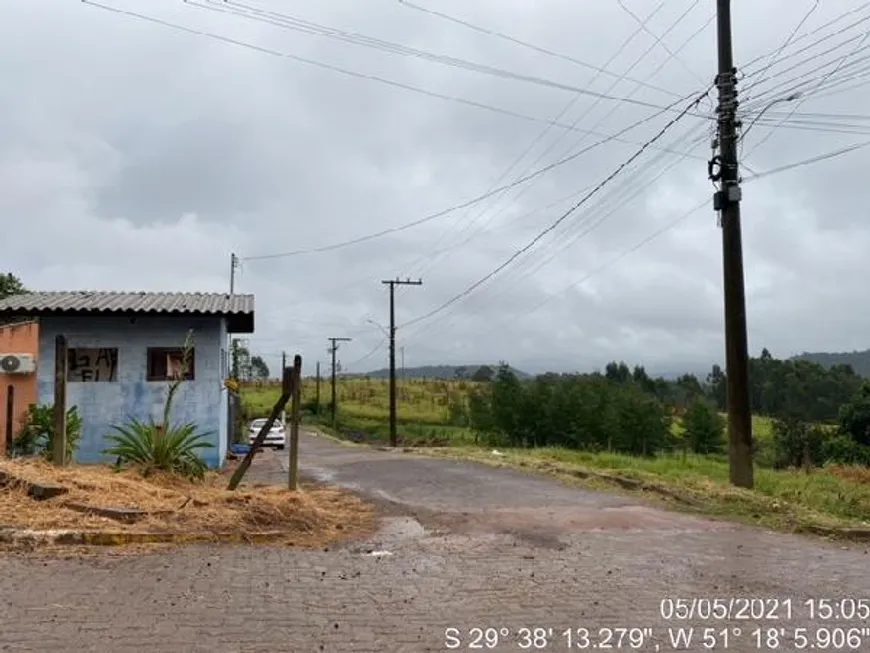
{"x":151,"y":352}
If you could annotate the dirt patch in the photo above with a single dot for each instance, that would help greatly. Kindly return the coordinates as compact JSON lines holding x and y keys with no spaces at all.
{"x":315,"y":516}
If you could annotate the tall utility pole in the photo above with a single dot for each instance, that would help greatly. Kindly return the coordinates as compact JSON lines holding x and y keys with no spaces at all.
{"x":727,"y":201}
{"x":333,"y":347}
{"x":393,"y":409}
{"x":317,"y":396}
{"x":234,"y":263}
{"x":232,"y":346}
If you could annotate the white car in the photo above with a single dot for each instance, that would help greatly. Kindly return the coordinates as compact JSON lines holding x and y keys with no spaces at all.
{"x":276,"y":437}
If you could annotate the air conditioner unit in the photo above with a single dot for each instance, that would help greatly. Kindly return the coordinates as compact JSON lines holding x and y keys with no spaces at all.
{"x":17,"y":364}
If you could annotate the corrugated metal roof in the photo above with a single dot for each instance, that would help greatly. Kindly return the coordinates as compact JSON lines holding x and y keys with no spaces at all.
{"x":85,"y":301}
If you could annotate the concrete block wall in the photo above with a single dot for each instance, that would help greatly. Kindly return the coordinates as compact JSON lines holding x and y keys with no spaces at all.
{"x":103,"y":404}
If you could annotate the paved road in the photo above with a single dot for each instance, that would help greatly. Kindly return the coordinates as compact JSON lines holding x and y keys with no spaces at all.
{"x":502,"y":550}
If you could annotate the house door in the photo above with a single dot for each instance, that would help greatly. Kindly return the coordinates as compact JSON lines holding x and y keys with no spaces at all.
{"x":10,"y":415}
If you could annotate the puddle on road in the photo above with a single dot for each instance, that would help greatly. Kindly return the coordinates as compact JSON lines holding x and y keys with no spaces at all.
{"x":393,"y":531}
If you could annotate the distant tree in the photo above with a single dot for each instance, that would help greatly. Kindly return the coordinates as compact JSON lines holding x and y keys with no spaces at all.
{"x":718,"y":387}
{"x":483,"y":374}
{"x":705,"y":428}
{"x":460,"y":373}
{"x":11,"y":285}
{"x":259,"y":369}
{"x":618,"y":372}
{"x":855,"y":416}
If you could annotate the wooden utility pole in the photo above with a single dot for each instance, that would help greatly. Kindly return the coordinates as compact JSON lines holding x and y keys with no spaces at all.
{"x":293,"y":467}
{"x":393,"y":404}
{"x":317,"y":396}
{"x":287,"y":390}
{"x":333,"y":347}
{"x":727,"y":201}
{"x":59,"y":410}
{"x":283,"y":359}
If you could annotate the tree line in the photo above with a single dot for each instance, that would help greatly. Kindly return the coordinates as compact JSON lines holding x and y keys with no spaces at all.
{"x":819,"y":415}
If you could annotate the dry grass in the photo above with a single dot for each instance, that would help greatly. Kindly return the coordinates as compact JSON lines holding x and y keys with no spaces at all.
{"x":315,"y":516}
{"x":854,"y":473}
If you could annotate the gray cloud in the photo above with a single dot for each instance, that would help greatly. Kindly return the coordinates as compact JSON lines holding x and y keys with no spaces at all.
{"x":124,"y":141}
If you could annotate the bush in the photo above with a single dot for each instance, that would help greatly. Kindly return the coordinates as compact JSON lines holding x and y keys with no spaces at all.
{"x":844,"y":450}
{"x":150,"y":447}
{"x":704,"y":428}
{"x":37,"y":434}
{"x":457,"y":410}
{"x":797,"y":443}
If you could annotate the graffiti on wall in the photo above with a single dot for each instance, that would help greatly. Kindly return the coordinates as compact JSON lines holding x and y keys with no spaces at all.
{"x":91,"y":365}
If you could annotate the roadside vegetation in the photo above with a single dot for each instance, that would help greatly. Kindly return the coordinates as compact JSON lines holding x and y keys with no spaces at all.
{"x":811,"y":427}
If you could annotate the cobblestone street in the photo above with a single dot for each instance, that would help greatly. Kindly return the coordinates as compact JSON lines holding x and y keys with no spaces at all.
{"x":502,"y":550}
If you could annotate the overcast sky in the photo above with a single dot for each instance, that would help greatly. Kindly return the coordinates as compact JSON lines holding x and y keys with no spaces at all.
{"x":134,"y":156}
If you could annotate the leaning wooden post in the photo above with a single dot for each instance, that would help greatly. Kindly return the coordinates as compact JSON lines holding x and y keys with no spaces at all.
{"x":294,"y":423}
{"x":286,"y":393}
{"x":59,"y":414}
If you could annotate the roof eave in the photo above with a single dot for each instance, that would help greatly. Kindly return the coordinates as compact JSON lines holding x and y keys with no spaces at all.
{"x":236,"y":322}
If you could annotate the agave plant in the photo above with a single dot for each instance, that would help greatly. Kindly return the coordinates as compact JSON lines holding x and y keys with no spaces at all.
{"x":151,"y":446}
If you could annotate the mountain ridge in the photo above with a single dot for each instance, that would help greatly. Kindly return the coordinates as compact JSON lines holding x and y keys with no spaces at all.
{"x":859,"y":360}
{"x":444,"y":372}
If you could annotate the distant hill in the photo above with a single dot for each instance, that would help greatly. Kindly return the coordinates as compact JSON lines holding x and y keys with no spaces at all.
{"x":859,"y":360}
{"x":436,"y":372}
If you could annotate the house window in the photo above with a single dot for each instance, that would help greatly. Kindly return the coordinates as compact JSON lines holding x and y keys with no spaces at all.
{"x":92,"y":365}
{"x":166,"y":364}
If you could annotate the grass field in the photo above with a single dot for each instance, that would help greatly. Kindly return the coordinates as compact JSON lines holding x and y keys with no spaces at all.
{"x":787,"y":499}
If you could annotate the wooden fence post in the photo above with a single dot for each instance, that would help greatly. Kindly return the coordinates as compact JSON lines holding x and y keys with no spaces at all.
{"x":286,"y":393}
{"x":293,"y":467}
{"x":59,"y":414}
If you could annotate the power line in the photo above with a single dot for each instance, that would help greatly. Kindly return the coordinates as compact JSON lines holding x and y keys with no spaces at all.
{"x":798,"y":39}
{"x":377,"y":348}
{"x":806,"y":60}
{"x":775,"y":56}
{"x":802,"y":98}
{"x":540,"y":137}
{"x":562,"y":218}
{"x":805,"y":162}
{"x":319,"y":64}
{"x":605,"y":266}
{"x":582,"y":115}
{"x":434,"y":216}
{"x":565,"y":242}
{"x":364,"y":76}
{"x":536,"y":48}
{"x":658,"y":39}
{"x":397,"y":49}
{"x":674,"y":223}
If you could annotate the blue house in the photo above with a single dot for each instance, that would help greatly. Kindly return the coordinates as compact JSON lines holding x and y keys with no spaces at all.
{"x":123,"y":351}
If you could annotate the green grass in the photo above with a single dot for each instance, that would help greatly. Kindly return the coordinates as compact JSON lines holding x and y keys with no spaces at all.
{"x":781,"y":499}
